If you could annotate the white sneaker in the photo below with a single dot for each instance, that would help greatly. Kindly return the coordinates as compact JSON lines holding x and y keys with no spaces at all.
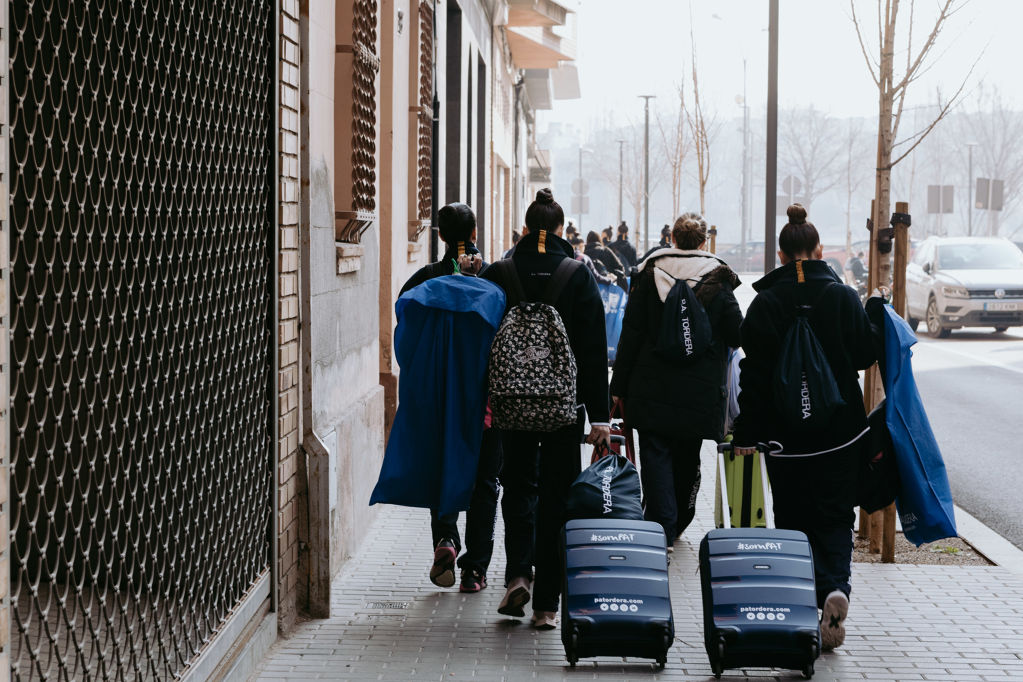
{"x":515,"y":598}
{"x":545,"y":620}
{"x":836,"y":608}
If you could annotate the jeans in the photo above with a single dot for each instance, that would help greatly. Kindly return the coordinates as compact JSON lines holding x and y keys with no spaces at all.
{"x":482,"y":514}
{"x":670,"y":472}
{"x":816,"y":495}
{"x":539,"y":469}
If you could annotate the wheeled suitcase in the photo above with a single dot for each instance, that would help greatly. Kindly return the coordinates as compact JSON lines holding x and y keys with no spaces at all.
{"x":615,"y":600}
{"x":759,"y":591}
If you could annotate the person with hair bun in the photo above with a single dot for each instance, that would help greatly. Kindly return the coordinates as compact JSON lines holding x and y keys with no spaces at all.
{"x":540,"y":467}
{"x":812,"y":494}
{"x":675,"y":406}
{"x":457,"y":226}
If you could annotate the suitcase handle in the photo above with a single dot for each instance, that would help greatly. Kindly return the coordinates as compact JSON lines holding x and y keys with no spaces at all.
{"x":724,"y":448}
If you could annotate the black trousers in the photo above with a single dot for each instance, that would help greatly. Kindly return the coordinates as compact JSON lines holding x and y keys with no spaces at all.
{"x":482,"y":514}
{"x":538,"y":471}
{"x":670,"y":472}
{"x":816,"y":495}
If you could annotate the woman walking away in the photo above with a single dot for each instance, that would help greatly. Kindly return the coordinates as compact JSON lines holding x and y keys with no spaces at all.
{"x":541,"y":465}
{"x":816,"y":494}
{"x":457,"y":224}
{"x":676,"y":400}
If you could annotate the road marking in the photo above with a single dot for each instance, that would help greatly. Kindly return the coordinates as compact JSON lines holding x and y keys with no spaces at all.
{"x":971,"y":356}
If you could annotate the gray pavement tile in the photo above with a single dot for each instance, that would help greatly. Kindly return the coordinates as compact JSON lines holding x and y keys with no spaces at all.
{"x":973,"y":617}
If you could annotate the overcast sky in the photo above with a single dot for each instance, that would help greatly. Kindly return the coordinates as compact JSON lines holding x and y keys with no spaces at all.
{"x":628,"y":48}
{"x":633,"y":47}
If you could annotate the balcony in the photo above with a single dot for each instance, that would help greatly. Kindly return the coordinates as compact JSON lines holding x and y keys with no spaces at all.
{"x":536,"y":13}
{"x":539,"y":47}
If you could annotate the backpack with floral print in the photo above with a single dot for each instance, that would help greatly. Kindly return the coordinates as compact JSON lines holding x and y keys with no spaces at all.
{"x":532,"y":372}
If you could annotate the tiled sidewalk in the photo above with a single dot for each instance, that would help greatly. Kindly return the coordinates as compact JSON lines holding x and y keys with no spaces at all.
{"x":390,"y":623}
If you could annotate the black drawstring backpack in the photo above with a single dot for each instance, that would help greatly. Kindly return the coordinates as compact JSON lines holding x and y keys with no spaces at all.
{"x":805,"y":389}
{"x":685,"y":333}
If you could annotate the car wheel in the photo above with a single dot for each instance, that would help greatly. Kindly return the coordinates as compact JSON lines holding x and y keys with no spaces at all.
{"x":934,"y":327}
{"x":999,"y":330}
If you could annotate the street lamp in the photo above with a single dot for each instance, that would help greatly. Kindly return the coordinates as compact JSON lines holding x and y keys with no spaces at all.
{"x":969,"y":192}
{"x":646,"y":170}
{"x":621,"y":167}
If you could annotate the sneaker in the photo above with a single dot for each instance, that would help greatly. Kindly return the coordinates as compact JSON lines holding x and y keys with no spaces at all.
{"x":836,"y":607}
{"x":515,"y":598}
{"x":442,"y":573}
{"x":472,"y":581}
{"x":545,"y":620}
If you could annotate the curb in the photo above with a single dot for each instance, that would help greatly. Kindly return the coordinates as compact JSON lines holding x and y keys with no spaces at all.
{"x":988,"y":543}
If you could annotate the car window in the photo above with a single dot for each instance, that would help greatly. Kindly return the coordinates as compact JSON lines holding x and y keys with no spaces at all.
{"x":979,"y":256}
{"x":923,"y":256}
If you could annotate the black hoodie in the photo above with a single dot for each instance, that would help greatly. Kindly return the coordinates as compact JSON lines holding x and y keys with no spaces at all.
{"x":846,"y":337}
{"x":536,"y":257}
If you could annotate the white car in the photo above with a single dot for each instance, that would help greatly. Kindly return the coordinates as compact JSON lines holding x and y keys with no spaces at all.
{"x":956,"y":282}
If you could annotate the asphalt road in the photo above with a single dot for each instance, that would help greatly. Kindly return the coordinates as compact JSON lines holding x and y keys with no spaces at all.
{"x":972,"y":388}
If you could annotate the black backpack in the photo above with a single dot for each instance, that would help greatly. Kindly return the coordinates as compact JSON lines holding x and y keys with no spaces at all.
{"x":685,"y":327}
{"x":532,"y":374}
{"x":805,"y":389}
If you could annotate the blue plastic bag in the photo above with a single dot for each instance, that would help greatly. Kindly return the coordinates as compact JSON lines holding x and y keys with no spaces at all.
{"x":924,"y":501}
{"x":614,"y":299}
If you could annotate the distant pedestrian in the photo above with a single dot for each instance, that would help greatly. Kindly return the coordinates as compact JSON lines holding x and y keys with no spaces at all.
{"x":607,"y":235}
{"x":856,"y":267}
{"x":606,"y":257}
{"x":665,"y":237}
{"x":625,"y":251}
{"x":540,"y":466}
{"x":570,"y":232}
{"x":596,"y":269}
{"x":516,"y":235}
{"x":815,"y":495}
{"x":675,"y":406}
{"x":457,"y":224}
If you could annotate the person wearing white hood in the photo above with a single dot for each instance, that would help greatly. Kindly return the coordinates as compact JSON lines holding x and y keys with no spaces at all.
{"x":676,"y":404}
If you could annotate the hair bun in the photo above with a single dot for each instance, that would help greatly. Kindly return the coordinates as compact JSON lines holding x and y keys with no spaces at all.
{"x":545,"y":196}
{"x":797,"y":214}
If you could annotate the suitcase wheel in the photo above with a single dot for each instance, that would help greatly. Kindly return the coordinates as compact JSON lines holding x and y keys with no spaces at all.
{"x":572,"y":648}
{"x":717,"y":665}
{"x":808,"y":670}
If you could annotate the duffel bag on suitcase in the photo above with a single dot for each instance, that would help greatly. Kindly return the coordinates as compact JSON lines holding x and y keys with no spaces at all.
{"x":615,"y":600}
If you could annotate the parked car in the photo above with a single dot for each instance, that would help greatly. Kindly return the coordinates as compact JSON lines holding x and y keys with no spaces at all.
{"x":753,"y":261}
{"x":955,"y":282}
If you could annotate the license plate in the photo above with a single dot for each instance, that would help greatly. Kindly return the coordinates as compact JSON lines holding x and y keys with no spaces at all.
{"x":1001,"y":306}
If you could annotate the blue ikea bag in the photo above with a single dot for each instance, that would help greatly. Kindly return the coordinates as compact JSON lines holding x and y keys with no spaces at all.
{"x":442,"y":344}
{"x":924,"y":501}
{"x":614,"y":299}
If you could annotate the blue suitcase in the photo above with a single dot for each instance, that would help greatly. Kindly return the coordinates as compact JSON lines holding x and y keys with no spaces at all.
{"x":615,"y":600}
{"x":759,"y":600}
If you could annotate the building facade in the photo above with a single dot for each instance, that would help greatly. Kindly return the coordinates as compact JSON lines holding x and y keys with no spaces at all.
{"x":210,"y":209}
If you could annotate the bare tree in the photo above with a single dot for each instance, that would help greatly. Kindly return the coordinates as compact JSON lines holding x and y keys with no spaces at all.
{"x":853,"y":172}
{"x":809,"y":148}
{"x":892,"y":90}
{"x":701,"y":127}
{"x":676,"y":146}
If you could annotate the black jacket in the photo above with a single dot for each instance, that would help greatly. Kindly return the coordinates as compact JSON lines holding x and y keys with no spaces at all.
{"x":580,"y":307}
{"x":607,"y":258}
{"x":668,"y":398}
{"x":841,"y":326}
{"x":445,"y":266}
{"x":625,"y":251}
